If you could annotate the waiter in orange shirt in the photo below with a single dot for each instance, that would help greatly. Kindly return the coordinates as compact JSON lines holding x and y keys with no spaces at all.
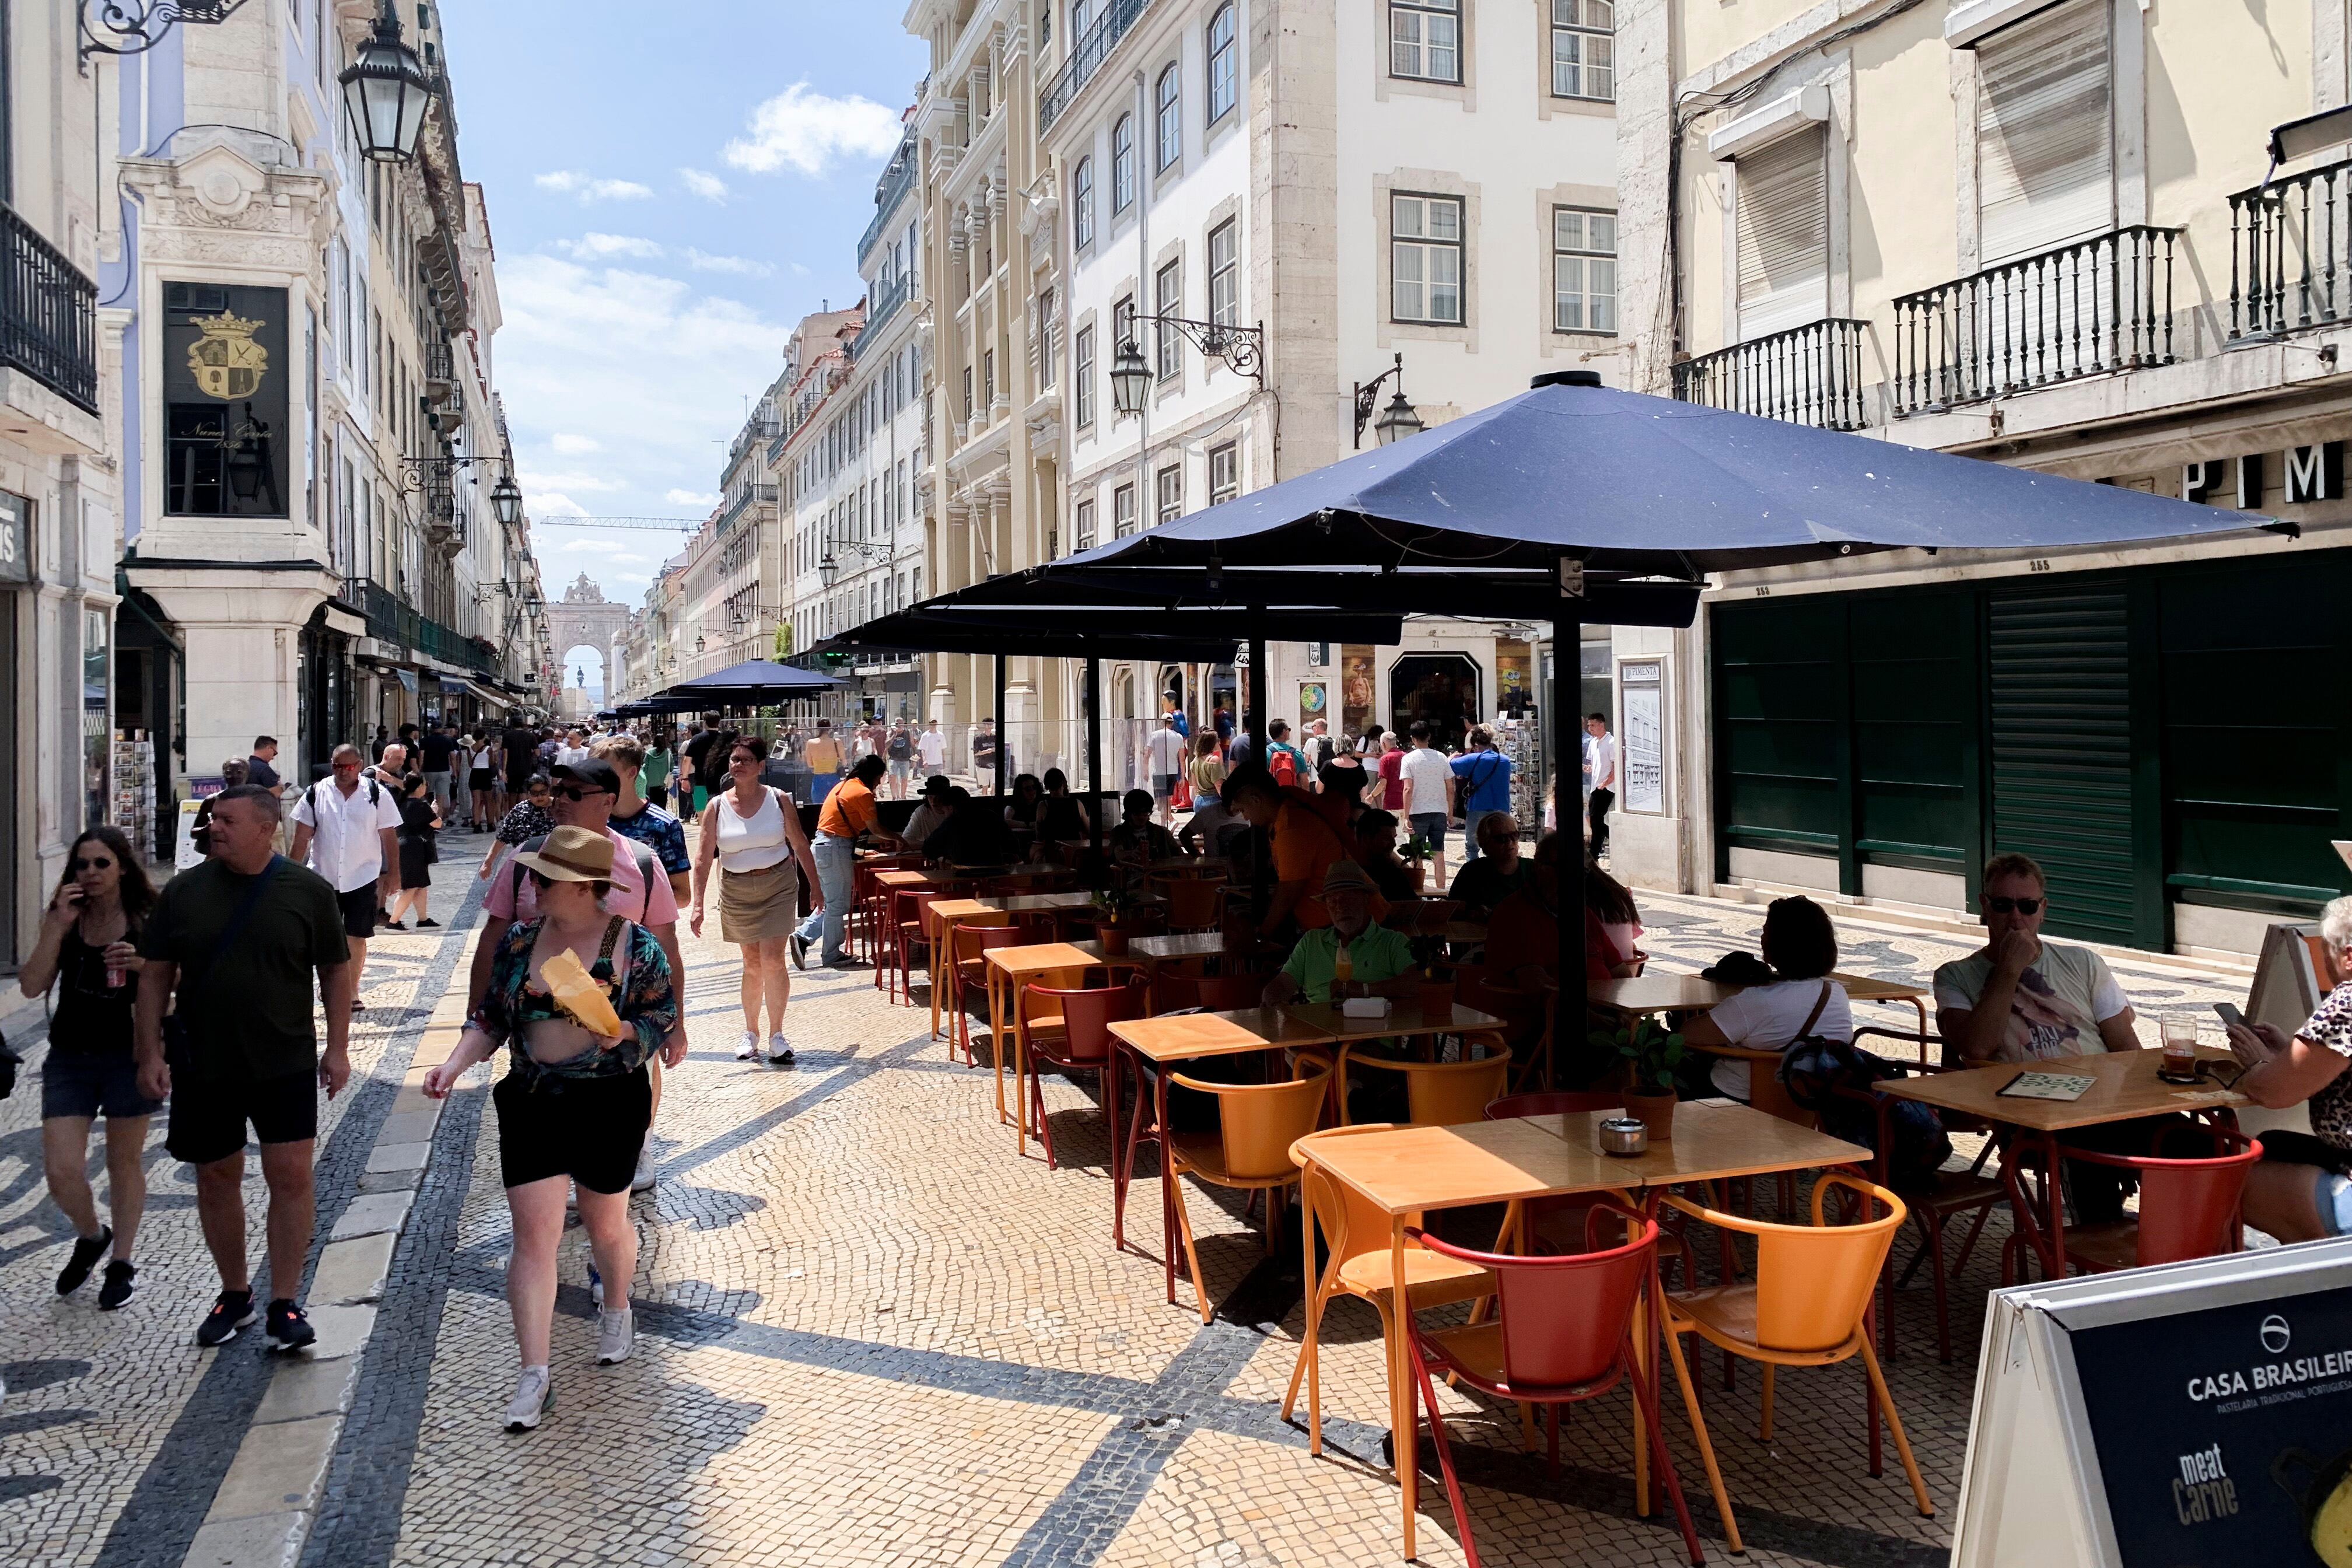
{"x":849,"y":811}
{"x":1308,"y":834}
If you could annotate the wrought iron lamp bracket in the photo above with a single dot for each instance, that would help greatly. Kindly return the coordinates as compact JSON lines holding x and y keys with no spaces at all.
{"x":121,"y":27}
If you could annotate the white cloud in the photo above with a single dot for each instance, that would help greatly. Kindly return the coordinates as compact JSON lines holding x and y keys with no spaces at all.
{"x":596,"y":246}
{"x":572,"y":182}
{"x":808,"y":131}
{"x":708,"y":187}
{"x":593,"y":484}
{"x":691,"y":497}
{"x":585,"y":547}
{"x":555,"y":505}
{"x":703,"y":262}
{"x":799,"y":271}
{"x":571,"y":446}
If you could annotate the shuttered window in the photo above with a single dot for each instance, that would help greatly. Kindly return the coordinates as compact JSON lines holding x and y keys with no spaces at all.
{"x":1784,"y":235}
{"x":2046,"y":133}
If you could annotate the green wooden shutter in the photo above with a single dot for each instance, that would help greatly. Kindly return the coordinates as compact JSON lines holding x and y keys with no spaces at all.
{"x":1780,"y":725}
{"x":2060,"y":688}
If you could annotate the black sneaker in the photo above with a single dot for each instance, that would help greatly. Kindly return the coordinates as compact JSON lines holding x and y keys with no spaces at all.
{"x":87,"y":1251}
{"x":231,"y":1312}
{"x":288,"y":1329}
{"x":429,"y":925}
{"x":121,"y":1284}
{"x":800,"y":951}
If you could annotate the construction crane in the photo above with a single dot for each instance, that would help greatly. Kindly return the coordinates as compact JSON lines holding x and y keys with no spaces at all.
{"x":683,"y":524}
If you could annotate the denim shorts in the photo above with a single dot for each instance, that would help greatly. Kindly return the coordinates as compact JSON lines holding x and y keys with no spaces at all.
{"x":2334,"y":1201}
{"x":88,"y":1084}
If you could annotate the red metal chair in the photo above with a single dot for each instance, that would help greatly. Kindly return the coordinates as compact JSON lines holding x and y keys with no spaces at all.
{"x":906,"y":928}
{"x":1562,"y":1332}
{"x":1557,"y":1224}
{"x":1230,"y":993}
{"x":2188,"y":1209}
{"x":1194,"y":903}
{"x":1070,"y":1030}
{"x":969,"y":972}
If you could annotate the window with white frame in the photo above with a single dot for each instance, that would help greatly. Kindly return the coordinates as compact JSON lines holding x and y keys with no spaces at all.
{"x":1082,"y":204}
{"x":1169,"y":482}
{"x":1224,"y":64}
{"x":1224,"y":472}
{"x":1783,"y":238}
{"x":1081,"y":14}
{"x":1225,"y":274}
{"x":1168,"y":120}
{"x":2046,"y":133}
{"x":1583,"y":270}
{"x":1085,"y":518}
{"x":1049,"y":323}
{"x":1122,"y":511}
{"x":1082,"y":375}
{"x":1167,"y":300}
{"x":1122,"y":164}
{"x":1425,"y":39}
{"x":1425,"y":259}
{"x":1583,"y":51}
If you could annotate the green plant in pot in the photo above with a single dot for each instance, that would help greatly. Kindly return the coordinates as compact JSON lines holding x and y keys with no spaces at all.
{"x":1652,"y":1055}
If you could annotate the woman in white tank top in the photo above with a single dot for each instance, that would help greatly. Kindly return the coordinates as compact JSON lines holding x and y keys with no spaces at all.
{"x":753,"y":835}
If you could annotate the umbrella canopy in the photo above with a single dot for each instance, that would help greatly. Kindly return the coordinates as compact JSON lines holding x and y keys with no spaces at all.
{"x":1647,"y":486}
{"x":1095,"y":625}
{"x":754,"y":683}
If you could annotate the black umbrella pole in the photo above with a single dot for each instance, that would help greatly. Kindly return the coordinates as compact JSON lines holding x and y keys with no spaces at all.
{"x":1094,"y":754}
{"x":1256,"y":717}
{"x":1568,"y":766}
{"x":1003,"y":730}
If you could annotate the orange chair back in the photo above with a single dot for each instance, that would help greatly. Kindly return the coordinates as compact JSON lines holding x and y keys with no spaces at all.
{"x":1352,"y":1226}
{"x":972,"y":941}
{"x":1194,"y":903}
{"x":1258,"y":1122}
{"x":1446,"y":1094}
{"x":1767,"y":1094}
{"x":1230,"y":993}
{"x":1087,"y":1013}
{"x":1813,"y":1282}
{"x":1172,"y":989}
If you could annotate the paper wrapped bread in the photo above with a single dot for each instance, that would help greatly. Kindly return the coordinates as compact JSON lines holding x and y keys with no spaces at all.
{"x":574,"y":991}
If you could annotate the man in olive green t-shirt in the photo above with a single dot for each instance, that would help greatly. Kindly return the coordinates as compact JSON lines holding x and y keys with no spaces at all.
{"x":1381,"y":959}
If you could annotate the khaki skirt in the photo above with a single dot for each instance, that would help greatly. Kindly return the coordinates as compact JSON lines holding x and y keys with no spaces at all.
{"x":759,"y":906}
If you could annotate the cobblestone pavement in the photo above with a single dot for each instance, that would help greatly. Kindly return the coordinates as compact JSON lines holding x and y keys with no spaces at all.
{"x":869,"y":1334}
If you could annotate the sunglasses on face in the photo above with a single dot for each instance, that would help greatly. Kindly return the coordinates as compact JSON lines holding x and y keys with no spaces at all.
{"x":573,"y":792}
{"x":96,"y":865}
{"x":346,"y":767}
{"x":2014,"y":906}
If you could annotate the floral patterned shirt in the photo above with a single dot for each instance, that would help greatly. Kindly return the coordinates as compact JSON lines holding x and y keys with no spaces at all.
{"x":2330,"y":1028}
{"x":638,"y":975}
{"x":525,"y":823}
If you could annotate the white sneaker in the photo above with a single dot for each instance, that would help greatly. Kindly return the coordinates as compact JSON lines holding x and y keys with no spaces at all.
{"x":643,"y":1182}
{"x":780,"y":1051}
{"x":616,"y":1335}
{"x":534,"y":1396}
{"x":749,"y":1051}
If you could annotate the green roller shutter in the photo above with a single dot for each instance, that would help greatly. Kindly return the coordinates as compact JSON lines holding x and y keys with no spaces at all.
{"x":2060,"y":699}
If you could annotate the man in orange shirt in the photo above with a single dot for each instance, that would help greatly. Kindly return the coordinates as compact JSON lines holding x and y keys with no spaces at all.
{"x":848,"y":811}
{"x":1309,"y":836}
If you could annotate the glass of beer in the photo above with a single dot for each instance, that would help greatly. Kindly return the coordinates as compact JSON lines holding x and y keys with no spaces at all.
{"x":2180,"y":1045}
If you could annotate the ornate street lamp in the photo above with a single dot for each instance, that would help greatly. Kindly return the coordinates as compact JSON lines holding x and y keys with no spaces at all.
{"x":1398,"y":420}
{"x":506,"y":500}
{"x":386,"y":90}
{"x":828,"y":569}
{"x":1131,"y":380}
{"x":698,"y":646}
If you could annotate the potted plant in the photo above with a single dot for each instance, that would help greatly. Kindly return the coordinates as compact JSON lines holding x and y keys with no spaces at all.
{"x":1437,"y":991}
{"x":1109,"y":907}
{"x":1652,"y":1055}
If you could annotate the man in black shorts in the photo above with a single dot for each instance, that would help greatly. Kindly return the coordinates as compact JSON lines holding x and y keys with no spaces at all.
{"x":343,"y":829}
{"x":522,"y":748}
{"x":238,"y":938}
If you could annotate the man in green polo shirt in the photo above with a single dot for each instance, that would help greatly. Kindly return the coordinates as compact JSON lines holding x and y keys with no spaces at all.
{"x":1380,"y":960}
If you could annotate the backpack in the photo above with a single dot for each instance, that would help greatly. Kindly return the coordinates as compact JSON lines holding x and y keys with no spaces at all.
{"x":1283,"y":763}
{"x":648,"y":867}
{"x":318,"y":801}
{"x":1813,"y":1070}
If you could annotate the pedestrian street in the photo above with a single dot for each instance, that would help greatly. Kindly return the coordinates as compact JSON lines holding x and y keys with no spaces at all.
{"x":870,"y":1333}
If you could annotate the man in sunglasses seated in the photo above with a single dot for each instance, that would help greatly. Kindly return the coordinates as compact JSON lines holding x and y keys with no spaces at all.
{"x":2021,"y":999}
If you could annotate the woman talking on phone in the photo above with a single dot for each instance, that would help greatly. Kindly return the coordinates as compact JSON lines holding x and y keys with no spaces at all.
{"x":88,"y":941}
{"x":2302,"y":1190}
{"x":574,"y":1107}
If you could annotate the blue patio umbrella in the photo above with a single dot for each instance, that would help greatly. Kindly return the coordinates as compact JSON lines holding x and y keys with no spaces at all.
{"x":754,"y":683}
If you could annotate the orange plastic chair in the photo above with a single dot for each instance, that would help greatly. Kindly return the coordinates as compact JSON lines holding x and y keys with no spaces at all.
{"x":1067,"y":1026}
{"x":1256,"y":1125}
{"x":1808,"y":1305}
{"x":1193,"y":903}
{"x":1359,"y":1264}
{"x":1437,"y":1094}
{"x":1231,"y":992}
{"x":969,"y":938}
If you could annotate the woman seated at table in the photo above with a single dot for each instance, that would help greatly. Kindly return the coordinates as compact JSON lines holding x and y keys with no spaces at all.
{"x":1499,"y":870}
{"x":1380,"y":960}
{"x":974,"y":834}
{"x":1021,"y":811}
{"x":1800,"y":946}
{"x":2301,"y":1191}
{"x":1138,"y":840}
{"x":1523,"y":945}
{"x":1061,"y":820}
{"x":1376,"y":852}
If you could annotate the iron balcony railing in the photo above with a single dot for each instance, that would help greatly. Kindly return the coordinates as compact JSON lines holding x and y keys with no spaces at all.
{"x":1087,"y":54}
{"x":885,"y":305}
{"x":2291,"y":253}
{"x":1806,"y":375}
{"x":742,"y":500}
{"x":2085,"y":309}
{"x":389,"y":620}
{"x":48,"y":314}
{"x":440,"y":365}
{"x":896,"y":181}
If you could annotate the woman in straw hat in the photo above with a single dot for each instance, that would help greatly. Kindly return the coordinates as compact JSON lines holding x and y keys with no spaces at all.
{"x":575,"y":1106}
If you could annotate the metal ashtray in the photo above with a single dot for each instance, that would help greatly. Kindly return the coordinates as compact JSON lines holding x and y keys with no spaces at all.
{"x":1624,"y":1136}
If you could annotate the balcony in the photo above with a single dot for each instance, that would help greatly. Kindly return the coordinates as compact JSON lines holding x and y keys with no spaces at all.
{"x":896,"y":181}
{"x":2086,"y":309}
{"x":1806,"y":375}
{"x":2291,"y":254}
{"x":389,"y":620}
{"x":749,"y":496}
{"x":48,"y":314}
{"x":1088,"y":55}
{"x":885,"y":305}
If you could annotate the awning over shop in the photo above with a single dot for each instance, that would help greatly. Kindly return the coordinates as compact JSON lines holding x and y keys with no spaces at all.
{"x":754,"y":683}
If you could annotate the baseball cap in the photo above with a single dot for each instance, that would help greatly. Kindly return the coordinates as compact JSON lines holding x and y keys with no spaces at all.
{"x":595,"y":771}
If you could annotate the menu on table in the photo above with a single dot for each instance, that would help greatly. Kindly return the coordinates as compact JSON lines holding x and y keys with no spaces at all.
{"x":2046,"y":1086}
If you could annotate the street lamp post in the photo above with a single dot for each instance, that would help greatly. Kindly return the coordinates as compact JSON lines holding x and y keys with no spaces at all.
{"x":1242,"y":348}
{"x":386,"y":90}
{"x":1397,"y":421}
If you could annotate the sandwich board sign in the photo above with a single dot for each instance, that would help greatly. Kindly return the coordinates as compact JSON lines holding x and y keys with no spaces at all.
{"x":2188,"y":1415}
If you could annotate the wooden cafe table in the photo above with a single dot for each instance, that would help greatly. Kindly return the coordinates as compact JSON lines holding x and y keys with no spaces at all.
{"x":1412,"y":1170}
{"x":2125,"y":1088}
{"x":938,"y":916}
{"x":1054,"y":904}
{"x":1008,"y":969}
{"x":1664,"y":992}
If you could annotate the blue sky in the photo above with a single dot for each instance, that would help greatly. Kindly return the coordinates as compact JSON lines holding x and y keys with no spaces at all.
{"x":667,"y":200}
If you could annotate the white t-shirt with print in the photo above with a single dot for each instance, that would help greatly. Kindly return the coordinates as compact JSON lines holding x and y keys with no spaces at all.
{"x":1426,"y":775}
{"x":1768,"y":1017}
{"x":2062,"y":999}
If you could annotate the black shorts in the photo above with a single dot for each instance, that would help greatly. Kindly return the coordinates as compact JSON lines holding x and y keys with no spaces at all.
{"x":589,"y":1129}
{"x":518,"y":778}
{"x":87,"y":1084}
{"x":481,"y":781}
{"x":358,"y":911}
{"x":209,"y":1117}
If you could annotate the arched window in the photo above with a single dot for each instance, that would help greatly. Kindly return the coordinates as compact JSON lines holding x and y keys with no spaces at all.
{"x":1082,"y":204}
{"x":1122,"y":164}
{"x":1224,"y":64}
{"x":1167,"y":120}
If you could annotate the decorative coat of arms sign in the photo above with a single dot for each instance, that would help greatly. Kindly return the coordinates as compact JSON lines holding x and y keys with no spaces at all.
{"x":225,"y":361}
